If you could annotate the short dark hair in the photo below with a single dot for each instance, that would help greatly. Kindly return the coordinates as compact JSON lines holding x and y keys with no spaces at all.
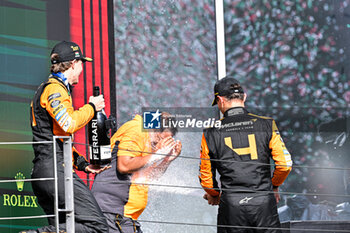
{"x":59,"y":67}
{"x":166,"y":118}
{"x":232,"y":96}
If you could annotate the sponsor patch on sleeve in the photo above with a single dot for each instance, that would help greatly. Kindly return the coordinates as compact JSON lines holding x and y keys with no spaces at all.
{"x":54,"y":96}
{"x":59,"y":107}
{"x":55,"y":103}
{"x":63,"y":119}
{"x":60,"y":114}
{"x":288,"y":157}
{"x":286,"y":152}
{"x":67,"y":124}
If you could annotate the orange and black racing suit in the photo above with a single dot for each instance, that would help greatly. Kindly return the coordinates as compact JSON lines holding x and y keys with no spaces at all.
{"x":52,"y":114}
{"x":240,"y":150}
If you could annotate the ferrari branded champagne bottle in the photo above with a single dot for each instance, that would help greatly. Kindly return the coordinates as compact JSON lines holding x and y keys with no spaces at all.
{"x":100,"y":150}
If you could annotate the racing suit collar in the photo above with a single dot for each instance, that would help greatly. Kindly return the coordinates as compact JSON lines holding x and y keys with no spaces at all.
{"x":235,"y":111}
{"x":59,"y":76}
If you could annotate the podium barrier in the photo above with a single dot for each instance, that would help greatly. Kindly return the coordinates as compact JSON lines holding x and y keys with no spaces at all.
{"x":68,"y":183}
{"x":312,"y":226}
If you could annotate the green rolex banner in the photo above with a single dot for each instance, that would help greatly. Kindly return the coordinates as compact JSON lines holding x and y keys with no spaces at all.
{"x":28,"y":30}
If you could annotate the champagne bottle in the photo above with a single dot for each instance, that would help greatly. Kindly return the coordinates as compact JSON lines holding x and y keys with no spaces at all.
{"x":100,"y":149}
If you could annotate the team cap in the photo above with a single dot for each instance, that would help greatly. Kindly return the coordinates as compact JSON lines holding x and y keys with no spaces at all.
{"x":224,"y":87}
{"x":68,"y":51}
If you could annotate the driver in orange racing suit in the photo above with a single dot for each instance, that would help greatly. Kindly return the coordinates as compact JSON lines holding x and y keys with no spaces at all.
{"x":240,"y":150}
{"x":52,"y":113}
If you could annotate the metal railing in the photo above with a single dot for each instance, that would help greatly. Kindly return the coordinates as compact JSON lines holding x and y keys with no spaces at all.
{"x":68,"y":183}
{"x":69,"y":195}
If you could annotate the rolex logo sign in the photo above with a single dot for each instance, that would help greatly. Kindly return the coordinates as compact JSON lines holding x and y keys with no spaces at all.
{"x":20,"y":183}
{"x":18,"y":197}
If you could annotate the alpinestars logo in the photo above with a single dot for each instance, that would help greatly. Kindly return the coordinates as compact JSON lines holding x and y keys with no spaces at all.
{"x":245,"y":200}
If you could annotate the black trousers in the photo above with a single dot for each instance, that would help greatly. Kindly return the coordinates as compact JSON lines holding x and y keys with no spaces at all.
{"x":246,"y":210}
{"x":88,"y":215}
